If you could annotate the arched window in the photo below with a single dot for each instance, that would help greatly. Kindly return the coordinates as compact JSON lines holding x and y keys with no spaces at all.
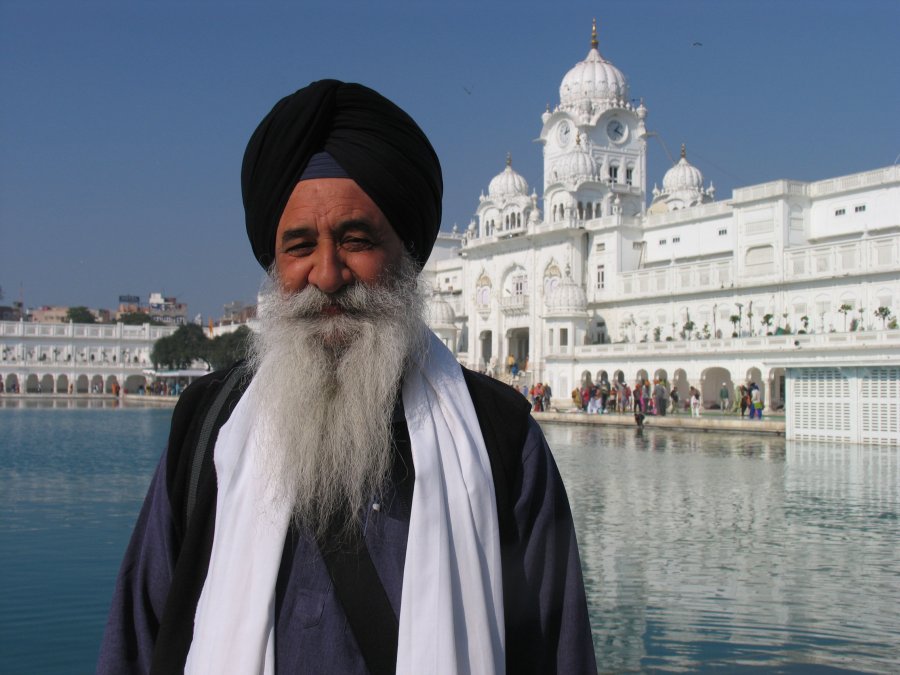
{"x":760,"y":260}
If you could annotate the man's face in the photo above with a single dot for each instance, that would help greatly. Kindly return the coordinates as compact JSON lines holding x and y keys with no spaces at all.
{"x":331,"y":234}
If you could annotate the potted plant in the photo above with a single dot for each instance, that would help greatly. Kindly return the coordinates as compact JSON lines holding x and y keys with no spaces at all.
{"x":845,"y":309}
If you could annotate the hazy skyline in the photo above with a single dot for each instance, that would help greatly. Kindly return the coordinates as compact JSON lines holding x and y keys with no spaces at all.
{"x":123,"y":125}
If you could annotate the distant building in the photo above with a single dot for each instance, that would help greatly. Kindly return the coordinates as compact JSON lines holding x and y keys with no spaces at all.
{"x":238,"y":312}
{"x":60,"y":314}
{"x":167,"y":309}
{"x":235,"y":315}
{"x":75,"y":358}
{"x":11,"y":313}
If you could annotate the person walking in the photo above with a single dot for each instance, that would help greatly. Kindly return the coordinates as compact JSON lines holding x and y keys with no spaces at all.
{"x":695,"y":402}
{"x":662,"y":398}
{"x":723,"y":398}
{"x":738,"y":395}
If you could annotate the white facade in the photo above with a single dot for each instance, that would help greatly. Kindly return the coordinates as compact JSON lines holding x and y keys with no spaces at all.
{"x":75,"y":358}
{"x":600,"y":275}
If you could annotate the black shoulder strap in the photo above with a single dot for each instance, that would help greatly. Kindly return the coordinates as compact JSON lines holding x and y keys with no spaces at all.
{"x":203,"y":441}
{"x":365,"y":602}
{"x":503,"y":415}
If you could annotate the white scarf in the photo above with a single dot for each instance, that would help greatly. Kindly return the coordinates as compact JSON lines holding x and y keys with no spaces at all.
{"x":451,"y":615}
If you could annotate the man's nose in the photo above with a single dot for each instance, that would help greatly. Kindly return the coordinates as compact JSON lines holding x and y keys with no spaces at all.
{"x":329,"y":273}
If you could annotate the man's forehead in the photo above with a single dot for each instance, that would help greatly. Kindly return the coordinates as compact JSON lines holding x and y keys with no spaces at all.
{"x":337,"y":198}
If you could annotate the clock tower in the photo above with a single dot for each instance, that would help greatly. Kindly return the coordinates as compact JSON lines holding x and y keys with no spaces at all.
{"x":594,"y":145}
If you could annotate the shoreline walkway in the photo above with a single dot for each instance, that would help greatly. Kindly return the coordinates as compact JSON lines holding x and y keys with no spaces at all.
{"x":709,"y":421}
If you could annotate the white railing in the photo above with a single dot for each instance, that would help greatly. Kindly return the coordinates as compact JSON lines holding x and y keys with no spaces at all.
{"x":116,"y":331}
{"x":861,"y":340}
{"x":515,"y":304}
{"x":676,"y":279}
{"x":859,"y":257}
{"x":830,"y":186}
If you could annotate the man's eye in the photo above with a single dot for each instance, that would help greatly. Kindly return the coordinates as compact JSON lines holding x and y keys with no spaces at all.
{"x":357,"y":243}
{"x":299,"y":248}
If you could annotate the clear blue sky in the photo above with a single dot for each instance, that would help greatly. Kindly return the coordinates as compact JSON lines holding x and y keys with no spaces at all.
{"x":122,"y":124}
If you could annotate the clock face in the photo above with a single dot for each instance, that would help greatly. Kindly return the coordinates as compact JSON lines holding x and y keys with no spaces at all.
{"x":564,"y":133}
{"x":616,"y":130}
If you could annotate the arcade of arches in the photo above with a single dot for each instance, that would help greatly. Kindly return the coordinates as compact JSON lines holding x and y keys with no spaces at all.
{"x":710,"y":382}
{"x":72,"y":384}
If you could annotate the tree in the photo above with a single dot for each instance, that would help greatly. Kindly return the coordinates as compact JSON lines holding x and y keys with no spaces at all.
{"x":735,"y":320}
{"x":225,"y":349}
{"x":767,"y":322}
{"x":80,"y":314}
{"x":883,"y":313}
{"x":137,"y":319}
{"x":805,"y":321}
{"x":181,"y":348}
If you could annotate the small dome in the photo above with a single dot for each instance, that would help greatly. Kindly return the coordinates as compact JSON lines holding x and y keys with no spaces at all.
{"x":440,"y":313}
{"x":568,"y":297}
{"x":577,"y":164}
{"x":683,"y":176}
{"x":593,"y":82}
{"x":507,"y":183}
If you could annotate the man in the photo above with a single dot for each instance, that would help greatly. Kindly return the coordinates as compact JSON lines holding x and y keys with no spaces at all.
{"x":660,"y":394}
{"x":723,"y":397}
{"x":365,"y":505}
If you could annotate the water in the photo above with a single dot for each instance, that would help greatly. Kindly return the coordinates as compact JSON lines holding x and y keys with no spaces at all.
{"x":71,"y":483}
{"x":719,"y":552}
{"x":704,"y":552}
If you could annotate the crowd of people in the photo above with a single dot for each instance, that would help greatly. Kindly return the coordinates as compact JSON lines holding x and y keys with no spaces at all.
{"x":653,"y":398}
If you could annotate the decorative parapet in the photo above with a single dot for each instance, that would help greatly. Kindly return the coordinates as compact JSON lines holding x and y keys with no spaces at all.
{"x":807,"y":344}
{"x":515,"y":304}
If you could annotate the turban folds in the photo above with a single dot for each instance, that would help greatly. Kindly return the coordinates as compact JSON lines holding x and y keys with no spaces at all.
{"x":375,"y":142}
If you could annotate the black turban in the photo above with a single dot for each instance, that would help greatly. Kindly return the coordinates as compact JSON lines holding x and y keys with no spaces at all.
{"x":375,"y":142}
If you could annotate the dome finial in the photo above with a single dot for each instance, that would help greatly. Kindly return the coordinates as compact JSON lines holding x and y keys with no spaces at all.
{"x":594,"y":43}
{"x":683,"y":152}
{"x":508,"y":159}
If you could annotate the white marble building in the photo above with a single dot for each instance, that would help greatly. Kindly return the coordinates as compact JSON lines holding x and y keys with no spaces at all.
{"x":76,"y":358}
{"x":599,"y":275}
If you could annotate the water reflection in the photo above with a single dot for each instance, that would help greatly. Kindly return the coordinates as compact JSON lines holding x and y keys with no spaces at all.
{"x":68,"y":403}
{"x":705,"y":551}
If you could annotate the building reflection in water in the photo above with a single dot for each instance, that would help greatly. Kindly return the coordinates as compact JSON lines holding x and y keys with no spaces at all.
{"x":706,"y":550}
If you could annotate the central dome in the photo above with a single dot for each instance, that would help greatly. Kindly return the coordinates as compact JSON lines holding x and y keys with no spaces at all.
{"x":507,"y":183}
{"x":594,"y":82}
{"x":683,"y":176}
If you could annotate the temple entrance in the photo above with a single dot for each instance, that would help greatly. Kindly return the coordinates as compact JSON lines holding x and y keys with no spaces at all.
{"x":518,"y":345}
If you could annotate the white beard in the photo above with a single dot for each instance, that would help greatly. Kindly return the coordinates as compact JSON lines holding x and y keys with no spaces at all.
{"x":328,"y":385}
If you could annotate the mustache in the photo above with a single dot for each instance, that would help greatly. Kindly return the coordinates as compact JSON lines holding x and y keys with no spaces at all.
{"x":310,"y":303}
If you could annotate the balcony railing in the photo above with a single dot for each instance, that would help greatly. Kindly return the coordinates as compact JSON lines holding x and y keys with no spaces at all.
{"x":515,"y":304}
